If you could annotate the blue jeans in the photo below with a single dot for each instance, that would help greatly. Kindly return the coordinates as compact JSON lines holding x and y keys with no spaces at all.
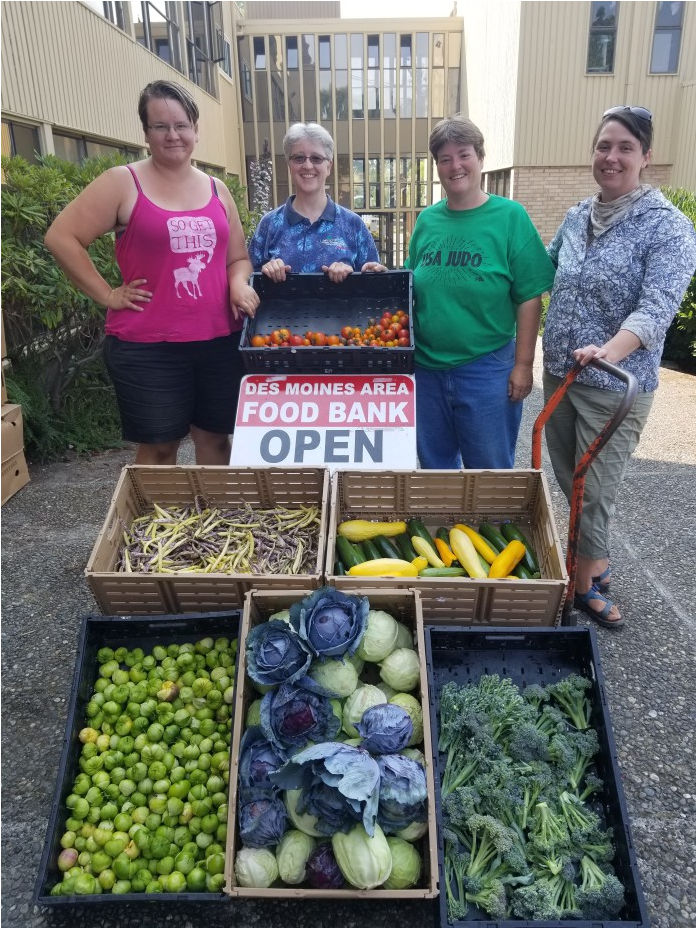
{"x":463,"y":415}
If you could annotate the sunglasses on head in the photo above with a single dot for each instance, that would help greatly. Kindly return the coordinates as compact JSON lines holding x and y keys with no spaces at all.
{"x":640,"y":112}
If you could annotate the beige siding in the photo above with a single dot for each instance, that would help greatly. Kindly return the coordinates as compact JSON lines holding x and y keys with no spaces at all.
{"x":292,"y":9}
{"x":65,"y":65}
{"x":491,"y":68}
{"x":683,"y":173}
{"x":559,"y":105}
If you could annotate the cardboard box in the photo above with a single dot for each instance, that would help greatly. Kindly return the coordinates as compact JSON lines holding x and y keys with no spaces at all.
{"x":11,"y":430}
{"x":3,"y":385}
{"x":443,"y":498}
{"x":140,"y":486}
{"x":311,"y":302}
{"x":95,"y":633}
{"x":538,"y":656}
{"x":14,"y":475}
{"x":259,"y":605}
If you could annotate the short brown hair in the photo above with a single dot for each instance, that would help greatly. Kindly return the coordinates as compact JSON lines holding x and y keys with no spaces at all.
{"x":641,"y":129}
{"x":166,"y":90}
{"x":459,"y":129}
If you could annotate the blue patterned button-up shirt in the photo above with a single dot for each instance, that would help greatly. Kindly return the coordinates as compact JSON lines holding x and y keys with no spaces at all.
{"x":633,"y":276}
{"x":338,"y":235}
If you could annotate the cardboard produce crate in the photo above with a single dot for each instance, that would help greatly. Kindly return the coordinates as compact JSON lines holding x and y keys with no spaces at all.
{"x":115,"y":631}
{"x":311,"y":302}
{"x":538,"y":656}
{"x":140,"y":486}
{"x":14,"y":466}
{"x":405,"y":606}
{"x":443,"y":498}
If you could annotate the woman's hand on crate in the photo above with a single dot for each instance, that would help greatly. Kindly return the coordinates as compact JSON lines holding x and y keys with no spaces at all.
{"x":276,"y":269}
{"x":337,"y":271}
{"x":373,"y":266}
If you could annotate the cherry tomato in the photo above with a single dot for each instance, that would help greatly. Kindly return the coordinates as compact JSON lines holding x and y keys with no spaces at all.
{"x":258,"y":341}
{"x":403,"y":342}
{"x":346,"y":332}
{"x":296,"y":340}
{"x":318,"y":338}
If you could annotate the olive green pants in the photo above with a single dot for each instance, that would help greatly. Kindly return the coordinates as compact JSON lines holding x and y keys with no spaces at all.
{"x":576,"y":422}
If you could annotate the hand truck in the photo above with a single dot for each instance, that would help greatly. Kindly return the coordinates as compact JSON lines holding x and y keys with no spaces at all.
{"x":591,"y":453}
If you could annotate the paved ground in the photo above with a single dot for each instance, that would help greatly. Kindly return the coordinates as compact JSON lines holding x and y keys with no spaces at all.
{"x":48,"y":531}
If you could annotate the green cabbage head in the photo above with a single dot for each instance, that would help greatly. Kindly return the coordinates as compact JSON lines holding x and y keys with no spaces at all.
{"x":365,"y":862}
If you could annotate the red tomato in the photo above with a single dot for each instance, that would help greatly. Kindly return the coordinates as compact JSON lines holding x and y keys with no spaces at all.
{"x":347,"y":332}
{"x":403,"y":334}
{"x":387,"y":335}
{"x":318,"y":338}
{"x":403,"y":342}
{"x":296,"y":340}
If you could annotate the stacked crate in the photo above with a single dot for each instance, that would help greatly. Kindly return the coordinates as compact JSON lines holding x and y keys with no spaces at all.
{"x":14,"y":466}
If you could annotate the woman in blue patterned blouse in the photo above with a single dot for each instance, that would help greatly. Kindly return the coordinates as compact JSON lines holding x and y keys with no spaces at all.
{"x":311,"y":233}
{"x":624,"y":259}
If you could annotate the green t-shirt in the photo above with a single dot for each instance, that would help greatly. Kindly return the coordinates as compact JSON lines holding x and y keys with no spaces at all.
{"x":472,"y":268}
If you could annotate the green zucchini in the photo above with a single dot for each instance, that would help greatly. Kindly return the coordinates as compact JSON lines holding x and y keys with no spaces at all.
{"x":493,"y":537}
{"x":348,"y":553}
{"x":443,"y":534}
{"x":511,"y":533}
{"x":483,"y":562}
{"x":372,"y":552}
{"x":442,"y":572}
{"x":405,"y":547}
{"x":339,"y":568}
{"x":416,"y":527}
{"x":387,"y":547}
{"x":522,"y":573}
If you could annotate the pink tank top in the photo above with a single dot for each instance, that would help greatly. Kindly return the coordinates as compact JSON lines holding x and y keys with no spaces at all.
{"x":183,"y":256}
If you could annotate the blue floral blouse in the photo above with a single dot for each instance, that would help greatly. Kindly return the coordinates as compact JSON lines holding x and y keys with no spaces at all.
{"x":633,"y":276}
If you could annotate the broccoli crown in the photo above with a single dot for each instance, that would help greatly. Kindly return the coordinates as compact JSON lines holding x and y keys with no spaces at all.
{"x":570,"y":694}
{"x":548,"y":898}
{"x":548,"y":830}
{"x":601,"y":895}
{"x":490,"y":897}
{"x":581,"y":821}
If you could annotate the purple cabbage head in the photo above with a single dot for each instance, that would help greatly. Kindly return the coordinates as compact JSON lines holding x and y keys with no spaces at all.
{"x":276,"y":654}
{"x":339,"y":784}
{"x":332,"y":623}
{"x":403,"y":793}
{"x":263,"y":818}
{"x":292,"y":715}
{"x":322,"y":870}
{"x":258,"y":758}
{"x":385,"y":729}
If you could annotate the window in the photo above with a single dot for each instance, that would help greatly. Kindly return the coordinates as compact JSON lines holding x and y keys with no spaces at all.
{"x":374,"y":183}
{"x":111,"y":11}
{"x":421,"y":181}
{"x":77,"y":148}
{"x":667,"y":34}
{"x":406,"y":89}
{"x":157,"y":27}
{"x":359,"y":183}
{"x":259,"y":53}
{"x":18,"y":139}
{"x":390,"y":181}
{"x":325,"y":53}
{"x":389,"y":75}
{"x":292,"y":53}
{"x":405,"y":51}
{"x":246,"y":79}
{"x":309,"y":52}
{"x":225,"y":60}
{"x":357,"y":77}
{"x":601,"y":38}
{"x":199,"y":45}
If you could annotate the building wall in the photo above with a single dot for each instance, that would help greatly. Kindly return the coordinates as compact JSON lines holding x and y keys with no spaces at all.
{"x":491,"y":68}
{"x":391,"y":135}
{"x":547,"y":193}
{"x":292,"y":9}
{"x":66,"y":66}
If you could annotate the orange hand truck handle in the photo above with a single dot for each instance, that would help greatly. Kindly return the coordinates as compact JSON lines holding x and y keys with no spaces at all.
{"x":591,"y":453}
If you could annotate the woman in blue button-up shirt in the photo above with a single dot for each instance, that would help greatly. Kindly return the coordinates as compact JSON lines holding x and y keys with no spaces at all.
{"x":624,"y":259}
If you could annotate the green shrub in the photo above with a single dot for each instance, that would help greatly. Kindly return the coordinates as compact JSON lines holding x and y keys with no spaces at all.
{"x":680,"y":338}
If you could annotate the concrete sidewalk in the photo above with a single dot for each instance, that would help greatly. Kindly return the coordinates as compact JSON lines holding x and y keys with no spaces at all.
{"x":48,"y":531}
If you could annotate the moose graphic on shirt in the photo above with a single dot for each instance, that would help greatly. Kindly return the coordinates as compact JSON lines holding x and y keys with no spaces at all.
{"x":185,"y":276}
{"x":195,"y":238}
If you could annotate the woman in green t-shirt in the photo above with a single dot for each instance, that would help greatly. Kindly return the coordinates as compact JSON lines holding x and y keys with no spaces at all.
{"x":480,"y":269}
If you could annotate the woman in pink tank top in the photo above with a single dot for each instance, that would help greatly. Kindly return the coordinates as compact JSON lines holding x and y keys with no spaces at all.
{"x":173,"y":325}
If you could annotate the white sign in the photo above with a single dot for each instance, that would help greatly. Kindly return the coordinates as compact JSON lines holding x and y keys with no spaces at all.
{"x":330,"y":420}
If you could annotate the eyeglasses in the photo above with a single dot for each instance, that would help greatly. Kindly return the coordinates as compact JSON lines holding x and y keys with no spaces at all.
{"x":179,"y":128}
{"x":301,"y":159}
{"x":640,"y":112}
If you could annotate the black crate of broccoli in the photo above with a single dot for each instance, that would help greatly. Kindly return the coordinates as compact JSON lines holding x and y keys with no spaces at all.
{"x":533,"y":826}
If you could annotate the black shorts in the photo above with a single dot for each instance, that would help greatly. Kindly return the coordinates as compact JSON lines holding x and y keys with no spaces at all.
{"x":163,"y":388}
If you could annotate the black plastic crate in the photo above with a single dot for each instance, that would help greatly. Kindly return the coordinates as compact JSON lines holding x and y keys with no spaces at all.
{"x":115,"y":631}
{"x":536,"y":656}
{"x":312,"y":302}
